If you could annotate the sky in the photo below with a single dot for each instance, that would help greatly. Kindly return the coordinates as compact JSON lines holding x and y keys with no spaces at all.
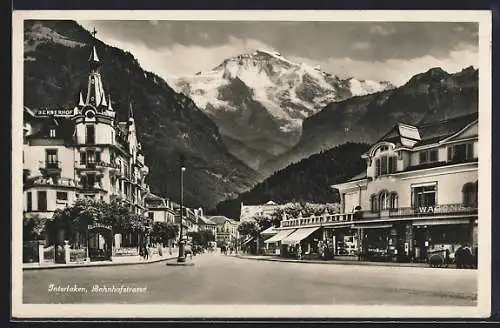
{"x":380,"y":51}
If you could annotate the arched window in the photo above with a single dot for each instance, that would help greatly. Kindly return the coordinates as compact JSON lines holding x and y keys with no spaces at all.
{"x":469,"y":192}
{"x":393,"y":200}
{"x":377,"y":167}
{"x":383,"y":200}
{"x":374,"y":203}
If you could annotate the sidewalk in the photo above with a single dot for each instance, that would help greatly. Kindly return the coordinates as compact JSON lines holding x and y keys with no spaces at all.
{"x":118,"y":260}
{"x":333,"y":262}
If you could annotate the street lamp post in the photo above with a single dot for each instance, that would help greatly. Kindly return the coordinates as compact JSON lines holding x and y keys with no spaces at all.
{"x":182,"y":256}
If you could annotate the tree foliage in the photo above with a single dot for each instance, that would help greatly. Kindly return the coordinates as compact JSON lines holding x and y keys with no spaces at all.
{"x":34,"y":227}
{"x":249,"y":228}
{"x":306,"y":181}
{"x":85,"y":212}
{"x":202,"y":237}
{"x":163,"y":232}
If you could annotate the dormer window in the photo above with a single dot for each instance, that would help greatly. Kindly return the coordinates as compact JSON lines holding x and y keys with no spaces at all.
{"x":383,"y":148}
{"x":385,"y":165}
{"x":461,"y":152}
{"x":428,"y":156}
{"x":52,"y":133}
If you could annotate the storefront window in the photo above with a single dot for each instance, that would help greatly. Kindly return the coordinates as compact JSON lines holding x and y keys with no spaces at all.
{"x":346,"y":242}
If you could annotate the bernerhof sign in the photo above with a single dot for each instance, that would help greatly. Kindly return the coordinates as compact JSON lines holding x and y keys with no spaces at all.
{"x":57,"y":112}
{"x":98,"y":226}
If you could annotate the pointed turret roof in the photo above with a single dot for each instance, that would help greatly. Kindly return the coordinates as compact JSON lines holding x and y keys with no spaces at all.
{"x":93,"y":55}
{"x":130,"y":112}
{"x":110,"y":107}
{"x":80,"y":101}
{"x":95,"y":89}
{"x":93,"y":58}
{"x":103,"y":100}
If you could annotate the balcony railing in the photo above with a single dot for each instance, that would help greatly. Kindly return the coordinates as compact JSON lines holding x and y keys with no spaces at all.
{"x":429,"y":211}
{"x":47,"y":181}
{"x":48,"y":167}
{"x":97,"y":165}
{"x":96,"y":187}
{"x":433,"y":210}
{"x":315,"y":220}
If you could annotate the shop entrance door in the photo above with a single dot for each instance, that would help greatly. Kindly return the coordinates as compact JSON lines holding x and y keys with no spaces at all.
{"x":100,"y":240}
{"x":421,"y":243}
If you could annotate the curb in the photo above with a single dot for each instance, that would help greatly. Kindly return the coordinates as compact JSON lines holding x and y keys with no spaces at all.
{"x":72,"y":266}
{"x":343,"y":263}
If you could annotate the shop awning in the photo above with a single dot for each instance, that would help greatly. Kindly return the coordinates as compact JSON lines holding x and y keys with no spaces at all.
{"x":269,"y":231}
{"x":279,"y":236}
{"x":247,"y":241}
{"x":440,"y":222}
{"x":298,"y":235}
{"x":373,"y":226}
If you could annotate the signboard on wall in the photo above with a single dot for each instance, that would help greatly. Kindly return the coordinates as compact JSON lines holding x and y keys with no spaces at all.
{"x":54,"y":112}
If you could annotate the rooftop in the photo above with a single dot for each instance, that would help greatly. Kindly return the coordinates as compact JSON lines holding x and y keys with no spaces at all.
{"x":219,"y":219}
{"x":428,"y":133}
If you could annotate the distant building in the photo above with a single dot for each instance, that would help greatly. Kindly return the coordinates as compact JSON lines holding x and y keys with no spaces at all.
{"x":160,"y":209}
{"x":249,"y":212}
{"x":190,"y":218}
{"x":205,"y":223}
{"x":227,"y":230}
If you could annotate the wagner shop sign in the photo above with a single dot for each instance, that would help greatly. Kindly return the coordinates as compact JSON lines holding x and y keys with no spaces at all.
{"x":57,"y":112}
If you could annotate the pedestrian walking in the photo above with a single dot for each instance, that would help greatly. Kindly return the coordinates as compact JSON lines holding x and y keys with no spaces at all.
{"x":447,"y":257}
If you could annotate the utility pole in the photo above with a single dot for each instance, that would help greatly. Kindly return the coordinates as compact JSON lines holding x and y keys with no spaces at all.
{"x":182,"y":257}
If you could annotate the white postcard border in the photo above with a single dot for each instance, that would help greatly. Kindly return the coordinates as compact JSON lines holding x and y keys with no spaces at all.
{"x":20,"y":310}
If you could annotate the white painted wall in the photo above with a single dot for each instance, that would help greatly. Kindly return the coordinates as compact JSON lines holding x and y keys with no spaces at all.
{"x":351,"y":200}
{"x":449,"y":184}
{"x":52,"y":202}
{"x":34,"y":158}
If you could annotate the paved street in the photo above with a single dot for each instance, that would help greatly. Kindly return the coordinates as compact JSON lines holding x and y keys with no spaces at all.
{"x":219,"y":279}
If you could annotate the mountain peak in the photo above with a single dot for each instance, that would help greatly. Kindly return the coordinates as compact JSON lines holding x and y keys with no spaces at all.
{"x":436,"y":71}
{"x":433,"y":74}
{"x":260,"y":98}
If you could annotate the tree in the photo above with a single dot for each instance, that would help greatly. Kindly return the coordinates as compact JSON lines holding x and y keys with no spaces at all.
{"x":249,"y":228}
{"x":34,"y":228}
{"x":163,"y":232}
{"x":76,"y":218}
{"x":202,"y":237}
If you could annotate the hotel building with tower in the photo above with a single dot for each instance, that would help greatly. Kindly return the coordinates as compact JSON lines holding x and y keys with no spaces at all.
{"x":82,"y":152}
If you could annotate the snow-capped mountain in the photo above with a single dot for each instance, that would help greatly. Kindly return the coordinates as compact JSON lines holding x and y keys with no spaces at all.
{"x":259,"y":100}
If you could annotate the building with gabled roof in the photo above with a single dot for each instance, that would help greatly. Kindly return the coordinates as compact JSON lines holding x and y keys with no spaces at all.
{"x":226,"y":230}
{"x":418,"y":195}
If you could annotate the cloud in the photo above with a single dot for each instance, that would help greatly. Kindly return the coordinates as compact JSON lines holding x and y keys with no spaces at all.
{"x":365,"y":50}
{"x":361,"y":45}
{"x":179,"y":60}
{"x":397,"y":71}
{"x":385,"y":31}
